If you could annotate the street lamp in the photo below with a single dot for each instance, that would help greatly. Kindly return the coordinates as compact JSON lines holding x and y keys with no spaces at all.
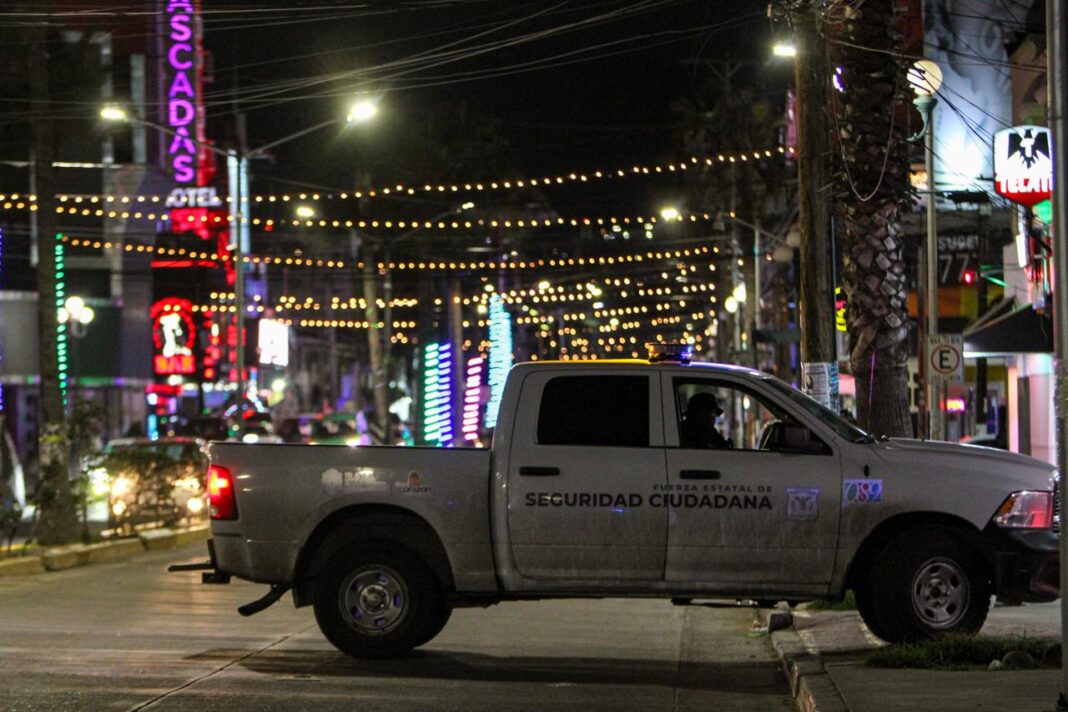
{"x":76,"y":314}
{"x":784,"y":49}
{"x":925,"y":77}
{"x":237,"y":168}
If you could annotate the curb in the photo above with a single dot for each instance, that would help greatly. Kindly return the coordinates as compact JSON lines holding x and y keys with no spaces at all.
{"x":62,"y":558}
{"x":810,"y":685}
{"x":22,"y":566}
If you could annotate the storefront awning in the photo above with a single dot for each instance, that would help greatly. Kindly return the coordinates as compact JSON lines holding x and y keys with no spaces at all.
{"x":1009,"y":329}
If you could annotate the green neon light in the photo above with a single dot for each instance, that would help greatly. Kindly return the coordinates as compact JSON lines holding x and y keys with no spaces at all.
{"x":61,"y":329}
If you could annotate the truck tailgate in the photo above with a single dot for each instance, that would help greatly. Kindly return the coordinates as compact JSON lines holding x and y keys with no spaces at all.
{"x":284,"y":492}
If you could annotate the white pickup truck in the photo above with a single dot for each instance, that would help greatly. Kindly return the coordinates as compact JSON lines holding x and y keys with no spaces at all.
{"x":633,"y":478}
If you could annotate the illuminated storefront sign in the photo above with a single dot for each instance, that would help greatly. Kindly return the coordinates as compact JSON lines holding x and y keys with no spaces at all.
{"x":500,"y":356}
{"x":1023,"y":169}
{"x":193,"y":198}
{"x":437,"y":397}
{"x":173,"y":337}
{"x":472,"y":397}
{"x":181,"y":87}
{"x":273,"y":343}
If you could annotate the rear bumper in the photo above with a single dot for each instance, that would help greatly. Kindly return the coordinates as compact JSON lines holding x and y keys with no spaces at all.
{"x":260,"y":561}
{"x":1026,"y":564}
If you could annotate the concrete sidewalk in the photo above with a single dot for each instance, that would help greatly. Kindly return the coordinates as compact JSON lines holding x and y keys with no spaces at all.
{"x":59,"y":558}
{"x":823,"y":656}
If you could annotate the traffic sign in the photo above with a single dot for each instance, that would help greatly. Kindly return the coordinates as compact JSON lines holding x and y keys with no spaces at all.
{"x":945,"y":358}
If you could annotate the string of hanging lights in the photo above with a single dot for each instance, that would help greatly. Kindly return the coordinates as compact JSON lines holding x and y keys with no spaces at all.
{"x":499,"y":184}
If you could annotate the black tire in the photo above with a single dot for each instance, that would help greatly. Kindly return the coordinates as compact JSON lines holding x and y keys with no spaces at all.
{"x":866,"y":608}
{"x":925,"y":584}
{"x":377,"y":601}
{"x":438,"y":625}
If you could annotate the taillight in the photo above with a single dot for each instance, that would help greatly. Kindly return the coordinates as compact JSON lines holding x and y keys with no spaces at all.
{"x":220,"y":486}
{"x":1026,"y":510}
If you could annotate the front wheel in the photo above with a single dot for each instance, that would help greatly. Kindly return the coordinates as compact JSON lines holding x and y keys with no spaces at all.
{"x":377,"y":602}
{"x":926,"y":584}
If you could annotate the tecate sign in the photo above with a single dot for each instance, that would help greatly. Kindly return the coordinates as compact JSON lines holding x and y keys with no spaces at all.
{"x":1023,"y":169}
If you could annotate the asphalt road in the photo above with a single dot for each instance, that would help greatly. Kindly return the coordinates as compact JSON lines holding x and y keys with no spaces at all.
{"x":129,"y":636}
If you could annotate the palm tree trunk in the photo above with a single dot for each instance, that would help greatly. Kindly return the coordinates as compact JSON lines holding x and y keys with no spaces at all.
{"x":872,"y":186}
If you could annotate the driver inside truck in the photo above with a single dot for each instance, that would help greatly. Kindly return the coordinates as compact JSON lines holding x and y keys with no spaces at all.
{"x":698,"y":426}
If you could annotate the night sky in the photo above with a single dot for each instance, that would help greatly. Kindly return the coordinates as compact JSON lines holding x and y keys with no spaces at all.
{"x":608,"y":106}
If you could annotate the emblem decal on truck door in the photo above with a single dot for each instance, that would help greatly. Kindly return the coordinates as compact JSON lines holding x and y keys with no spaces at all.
{"x":862,"y":491}
{"x":803,"y":502}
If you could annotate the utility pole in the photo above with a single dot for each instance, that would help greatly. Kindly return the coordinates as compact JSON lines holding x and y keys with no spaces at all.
{"x":379,"y":377}
{"x":819,"y":362}
{"x":1057,"y":53}
{"x":57,"y":520}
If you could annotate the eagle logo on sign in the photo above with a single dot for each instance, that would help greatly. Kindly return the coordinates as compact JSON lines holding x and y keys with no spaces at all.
{"x":1028,"y":149}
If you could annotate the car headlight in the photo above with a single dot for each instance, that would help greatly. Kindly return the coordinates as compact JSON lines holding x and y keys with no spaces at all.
{"x":189,"y":483}
{"x":195,"y":505}
{"x":98,"y":481}
{"x":1026,"y":510}
{"x":120,"y":486}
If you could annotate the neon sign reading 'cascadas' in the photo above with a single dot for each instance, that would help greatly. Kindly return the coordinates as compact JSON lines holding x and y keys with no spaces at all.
{"x":182,"y":82}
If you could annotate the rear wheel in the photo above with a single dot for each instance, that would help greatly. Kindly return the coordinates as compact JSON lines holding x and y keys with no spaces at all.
{"x":926,"y":584}
{"x":378,"y":602}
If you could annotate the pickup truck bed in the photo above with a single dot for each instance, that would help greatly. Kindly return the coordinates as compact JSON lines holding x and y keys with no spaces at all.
{"x":281,"y":488}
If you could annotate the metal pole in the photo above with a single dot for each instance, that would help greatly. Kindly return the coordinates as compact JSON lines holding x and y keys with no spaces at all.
{"x":934,"y":400}
{"x":239,"y":166}
{"x":1057,"y":49}
{"x":755,"y":296}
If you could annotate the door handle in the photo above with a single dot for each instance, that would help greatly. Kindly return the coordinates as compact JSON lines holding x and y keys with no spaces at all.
{"x":539,"y":471}
{"x":699,"y":475}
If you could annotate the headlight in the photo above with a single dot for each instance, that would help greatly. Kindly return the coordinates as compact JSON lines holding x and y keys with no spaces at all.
{"x":1026,"y":510}
{"x":98,"y":481}
{"x":250,"y":438}
{"x":195,"y":505}
{"x":120,"y":486}
{"x":118,"y":508}
{"x":190,"y":483}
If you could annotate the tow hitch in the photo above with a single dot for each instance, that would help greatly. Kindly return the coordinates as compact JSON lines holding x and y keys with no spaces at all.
{"x":211,"y":574}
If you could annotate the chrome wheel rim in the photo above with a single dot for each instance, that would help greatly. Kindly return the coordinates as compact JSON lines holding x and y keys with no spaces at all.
{"x":373,"y":600}
{"x":940,"y":593}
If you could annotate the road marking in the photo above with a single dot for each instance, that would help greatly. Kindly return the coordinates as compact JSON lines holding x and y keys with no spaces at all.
{"x":218,"y":670}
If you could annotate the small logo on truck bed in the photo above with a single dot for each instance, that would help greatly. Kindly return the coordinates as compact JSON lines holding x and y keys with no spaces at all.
{"x":413,"y":486}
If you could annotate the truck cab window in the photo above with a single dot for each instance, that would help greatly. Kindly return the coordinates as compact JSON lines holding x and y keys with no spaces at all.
{"x":714,"y":415}
{"x":609,"y":411}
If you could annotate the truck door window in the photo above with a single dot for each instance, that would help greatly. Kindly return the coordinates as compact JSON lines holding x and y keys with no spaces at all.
{"x":720,"y":415}
{"x":608,"y":411}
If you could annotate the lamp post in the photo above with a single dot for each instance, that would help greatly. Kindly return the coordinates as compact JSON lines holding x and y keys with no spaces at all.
{"x":925,"y":77}
{"x":237,"y":169}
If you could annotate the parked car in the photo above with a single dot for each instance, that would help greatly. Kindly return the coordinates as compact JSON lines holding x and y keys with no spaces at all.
{"x":151,"y":481}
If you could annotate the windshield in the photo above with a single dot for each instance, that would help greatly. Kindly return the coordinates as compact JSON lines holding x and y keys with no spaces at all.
{"x":840,"y":425}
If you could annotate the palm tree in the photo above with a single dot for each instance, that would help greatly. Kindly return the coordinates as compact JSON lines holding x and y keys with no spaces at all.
{"x":872,"y":186}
